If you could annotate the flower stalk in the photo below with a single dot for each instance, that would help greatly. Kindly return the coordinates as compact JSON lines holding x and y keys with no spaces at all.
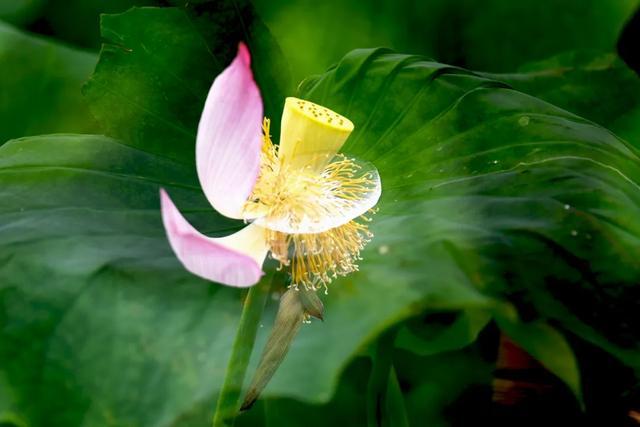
{"x":228,"y":404}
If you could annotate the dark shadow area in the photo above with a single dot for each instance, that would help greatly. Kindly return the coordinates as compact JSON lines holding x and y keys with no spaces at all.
{"x":628,"y":43}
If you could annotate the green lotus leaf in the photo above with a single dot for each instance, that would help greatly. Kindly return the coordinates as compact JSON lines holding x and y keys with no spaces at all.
{"x":546,"y":344}
{"x":40,"y":83}
{"x":157,"y":65}
{"x":531,"y":202}
{"x":488,"y":35}
{"x":425,"y":337}
{"x":594,"y":85}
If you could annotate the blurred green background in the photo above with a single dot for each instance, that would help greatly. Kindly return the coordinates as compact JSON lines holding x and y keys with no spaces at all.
{"x":564,"y":52}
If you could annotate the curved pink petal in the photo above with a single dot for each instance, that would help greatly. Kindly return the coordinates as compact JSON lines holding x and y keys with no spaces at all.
{"x":234,"y":260}
{"x":229,"y":137}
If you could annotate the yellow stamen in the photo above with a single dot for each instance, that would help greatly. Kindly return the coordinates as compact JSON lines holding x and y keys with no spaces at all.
{"x":318,"y":258}
{"x":291,"y":199}
{"x":307,"y":210}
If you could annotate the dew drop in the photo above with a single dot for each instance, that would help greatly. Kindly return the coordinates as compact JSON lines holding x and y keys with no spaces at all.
{"x":383,"y":250}
{"x":523,"y":121}
{"x":567,"y":207}
{"x":574,"y":233}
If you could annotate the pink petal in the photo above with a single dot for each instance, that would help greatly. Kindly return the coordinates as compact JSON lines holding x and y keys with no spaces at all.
{"x":234,"y":260}
{"x":229,"y":137}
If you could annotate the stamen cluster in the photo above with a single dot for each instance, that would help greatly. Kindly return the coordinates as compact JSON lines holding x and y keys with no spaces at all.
{"x":293,"y":202}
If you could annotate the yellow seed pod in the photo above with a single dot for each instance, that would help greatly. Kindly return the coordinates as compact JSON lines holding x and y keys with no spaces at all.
{"x":311,"y":134}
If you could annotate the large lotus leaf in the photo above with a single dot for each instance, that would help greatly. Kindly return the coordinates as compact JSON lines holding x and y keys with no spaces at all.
{"x":530,"y":201}
{"x":40,"y":84}
{"x":489,"y":35}
{"x":593,"y":85}
{"x":101,"y":325}
{"x":157,"y":65}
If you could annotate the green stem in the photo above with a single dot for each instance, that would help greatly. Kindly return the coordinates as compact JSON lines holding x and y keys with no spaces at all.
{"x":229,"y":399}
{"x":395,"y":402}
{"x":379,"y":379}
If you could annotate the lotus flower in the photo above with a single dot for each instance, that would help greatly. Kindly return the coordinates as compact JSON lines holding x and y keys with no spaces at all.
{"x":305,"y":204}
